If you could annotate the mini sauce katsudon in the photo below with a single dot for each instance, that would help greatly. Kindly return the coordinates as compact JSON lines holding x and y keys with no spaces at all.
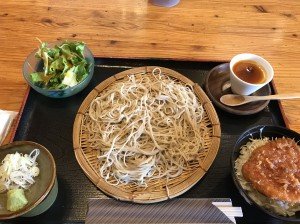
{"x":274,"y":170}
{"x":269,"y":171}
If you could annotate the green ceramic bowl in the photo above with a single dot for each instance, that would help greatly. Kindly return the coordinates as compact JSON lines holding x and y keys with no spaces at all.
{"x":43,"y":192}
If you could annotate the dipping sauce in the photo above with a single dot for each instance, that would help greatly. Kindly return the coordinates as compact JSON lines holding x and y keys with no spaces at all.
{"x":249,"y":71}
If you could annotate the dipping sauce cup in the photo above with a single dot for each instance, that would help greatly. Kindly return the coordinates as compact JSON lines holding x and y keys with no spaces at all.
{"x":249,"y":73}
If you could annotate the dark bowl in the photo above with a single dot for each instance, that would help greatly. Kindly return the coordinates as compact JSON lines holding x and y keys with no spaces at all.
{"x":261,"y":132}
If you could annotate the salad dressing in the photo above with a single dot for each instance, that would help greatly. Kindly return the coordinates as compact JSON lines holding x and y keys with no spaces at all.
{"x":64,"y":66}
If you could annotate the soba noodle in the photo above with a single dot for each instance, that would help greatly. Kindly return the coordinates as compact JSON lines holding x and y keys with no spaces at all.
{"x":145,"y":127}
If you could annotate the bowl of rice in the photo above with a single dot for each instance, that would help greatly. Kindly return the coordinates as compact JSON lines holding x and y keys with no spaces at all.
{"x":265,"y":166}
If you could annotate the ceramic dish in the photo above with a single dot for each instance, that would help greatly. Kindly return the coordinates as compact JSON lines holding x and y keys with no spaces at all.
{"x":43,"y":192}
{"x":217,"y":84}
{"x":256,"y":133}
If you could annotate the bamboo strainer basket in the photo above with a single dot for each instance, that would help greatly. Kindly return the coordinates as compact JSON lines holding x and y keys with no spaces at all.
{"x":156,"y":190}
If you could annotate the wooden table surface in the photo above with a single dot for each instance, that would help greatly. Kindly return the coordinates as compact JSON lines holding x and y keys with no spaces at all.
{"x":194,"y":30}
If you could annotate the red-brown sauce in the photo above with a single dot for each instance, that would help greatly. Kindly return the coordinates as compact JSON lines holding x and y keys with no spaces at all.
{"x":274,"y":170}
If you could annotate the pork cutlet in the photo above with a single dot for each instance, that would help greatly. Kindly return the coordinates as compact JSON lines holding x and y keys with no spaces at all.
{"x":274,"y":170}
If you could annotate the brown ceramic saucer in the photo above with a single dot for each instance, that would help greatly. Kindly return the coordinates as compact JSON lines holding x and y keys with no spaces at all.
{"x":217,"y":84}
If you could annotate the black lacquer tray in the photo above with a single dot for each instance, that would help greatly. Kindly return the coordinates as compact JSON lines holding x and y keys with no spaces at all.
{"x":50,"y":122}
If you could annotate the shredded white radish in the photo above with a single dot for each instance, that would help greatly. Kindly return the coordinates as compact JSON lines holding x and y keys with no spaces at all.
{"x":144,"y":127}
{"x":18,"y":171}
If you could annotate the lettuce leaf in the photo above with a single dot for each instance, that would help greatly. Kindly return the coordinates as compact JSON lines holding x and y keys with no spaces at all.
{"x":58,"y":61}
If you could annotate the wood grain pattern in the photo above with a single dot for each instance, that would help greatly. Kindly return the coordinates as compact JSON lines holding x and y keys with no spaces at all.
{"x":193,"y":30}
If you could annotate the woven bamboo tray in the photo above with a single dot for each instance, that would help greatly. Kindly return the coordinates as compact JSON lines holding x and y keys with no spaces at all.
{"x":156,"y":190}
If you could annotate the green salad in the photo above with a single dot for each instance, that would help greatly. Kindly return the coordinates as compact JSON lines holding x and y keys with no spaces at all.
{"x":64,"y":65}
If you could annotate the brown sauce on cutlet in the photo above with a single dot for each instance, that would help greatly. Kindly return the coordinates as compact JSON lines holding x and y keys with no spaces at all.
{"x":274,"y":170}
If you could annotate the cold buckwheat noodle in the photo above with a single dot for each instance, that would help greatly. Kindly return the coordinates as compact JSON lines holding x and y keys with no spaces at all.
{"x":145,"y":127}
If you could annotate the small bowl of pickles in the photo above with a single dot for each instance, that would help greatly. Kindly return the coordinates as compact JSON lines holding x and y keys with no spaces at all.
{"x":59,"y":69}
